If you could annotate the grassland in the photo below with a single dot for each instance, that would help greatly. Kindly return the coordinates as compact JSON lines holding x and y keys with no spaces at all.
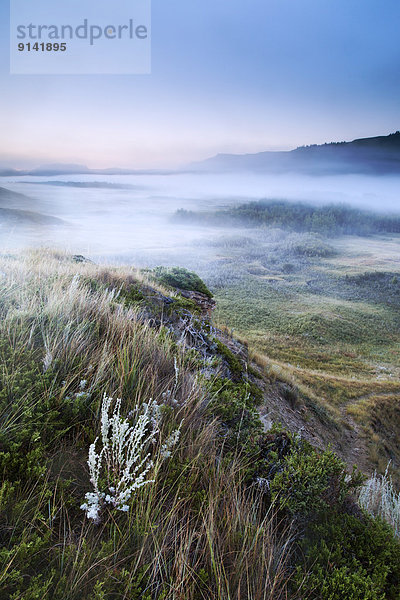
{"x":324,"y":314}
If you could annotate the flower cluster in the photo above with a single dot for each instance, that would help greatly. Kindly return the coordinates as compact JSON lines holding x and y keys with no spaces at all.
{"x":124,"y":461}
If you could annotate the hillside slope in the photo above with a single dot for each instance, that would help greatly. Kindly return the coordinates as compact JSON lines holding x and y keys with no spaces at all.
{"x":174,"y":491}
{"x":366,"y":155}
{"x":16,"y":210}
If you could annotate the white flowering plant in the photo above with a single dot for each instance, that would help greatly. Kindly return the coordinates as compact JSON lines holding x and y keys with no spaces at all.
{"x":124,"y":463}
{"x":379,"y":497}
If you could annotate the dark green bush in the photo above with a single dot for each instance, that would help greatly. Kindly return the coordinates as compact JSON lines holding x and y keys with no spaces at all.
{"x":131,"y":295}
{"x":178,"y":277}
{"x":309,"y":482}
{"x":350,"y":558}
{"x":36,"y":411}
{"x":235,"y":405}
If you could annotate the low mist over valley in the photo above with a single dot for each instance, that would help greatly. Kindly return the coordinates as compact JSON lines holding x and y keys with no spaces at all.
{"x":304,"y":267}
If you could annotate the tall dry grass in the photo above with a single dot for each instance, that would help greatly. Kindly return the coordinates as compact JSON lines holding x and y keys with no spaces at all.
{"x":197,"y":533}
{"x":379,"y":497}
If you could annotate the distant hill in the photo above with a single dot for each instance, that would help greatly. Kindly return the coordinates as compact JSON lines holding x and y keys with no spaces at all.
{"x":55,"y":169}
{"x":366,"y":155}
{"x":85,"y":184}
{"x":13,"y":211}
{"x":8,"y":197}
{"x":13,"y":216}
{"x":72,"y":169}
{"x":7,"y":172}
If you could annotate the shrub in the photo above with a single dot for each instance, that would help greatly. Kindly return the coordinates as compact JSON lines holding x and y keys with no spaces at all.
{"x":303,"y":481}
{"x":350,"y":558}
{"x":311,"y":246}
{"x":30,"y":410}
{"x":131,"y":295}
{"x":235,"y":406}
{"x":178,"y":277}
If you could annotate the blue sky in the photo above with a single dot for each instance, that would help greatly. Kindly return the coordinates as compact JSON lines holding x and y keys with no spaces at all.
{"x":227,"y":76}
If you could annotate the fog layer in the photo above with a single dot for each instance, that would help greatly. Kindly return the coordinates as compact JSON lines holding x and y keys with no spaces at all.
{"x":128,"y":218}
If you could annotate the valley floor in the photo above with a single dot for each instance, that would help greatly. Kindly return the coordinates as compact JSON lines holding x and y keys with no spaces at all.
{"x":329,"y":326}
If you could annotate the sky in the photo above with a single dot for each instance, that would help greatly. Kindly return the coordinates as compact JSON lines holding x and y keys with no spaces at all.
{"x":227,"y":76}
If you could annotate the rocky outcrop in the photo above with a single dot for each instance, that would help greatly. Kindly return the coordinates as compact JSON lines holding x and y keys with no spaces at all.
{"x":205,"y":303}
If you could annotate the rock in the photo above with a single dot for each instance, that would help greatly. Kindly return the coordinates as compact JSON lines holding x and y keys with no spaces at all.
{"x":205,"y":303}
{"x":78,"y":258}
{"x":166,"y":300}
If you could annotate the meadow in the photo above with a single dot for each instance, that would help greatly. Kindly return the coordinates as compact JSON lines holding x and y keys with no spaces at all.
{"x":323,"y":314}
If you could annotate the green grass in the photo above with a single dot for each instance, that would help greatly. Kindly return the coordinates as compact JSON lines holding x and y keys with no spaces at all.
{"x":322,"y":326}
{"x":330,"y":324}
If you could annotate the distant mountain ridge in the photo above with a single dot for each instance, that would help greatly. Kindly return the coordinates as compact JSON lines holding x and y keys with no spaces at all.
{"x":375,"y":155}
{"x":71,"y":169}
{"x":380,"y":154}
